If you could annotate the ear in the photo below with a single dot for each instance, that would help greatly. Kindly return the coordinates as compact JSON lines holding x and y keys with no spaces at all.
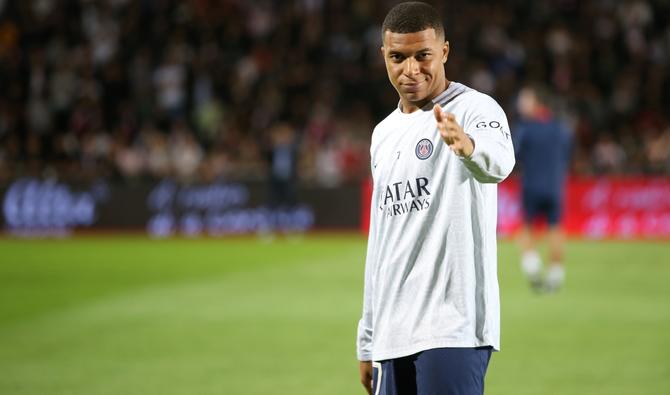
{"x":445,"y":52}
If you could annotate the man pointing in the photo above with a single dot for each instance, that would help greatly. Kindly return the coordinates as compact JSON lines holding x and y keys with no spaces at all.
{"x":431,"y":306}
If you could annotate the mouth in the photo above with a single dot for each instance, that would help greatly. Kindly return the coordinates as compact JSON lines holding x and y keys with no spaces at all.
{"x":412,"y":87}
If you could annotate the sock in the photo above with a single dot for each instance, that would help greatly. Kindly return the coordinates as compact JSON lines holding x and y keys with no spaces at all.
{"x":531,"y":264}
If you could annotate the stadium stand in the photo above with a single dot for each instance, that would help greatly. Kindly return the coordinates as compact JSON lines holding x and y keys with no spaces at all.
{"x":134,"y":90}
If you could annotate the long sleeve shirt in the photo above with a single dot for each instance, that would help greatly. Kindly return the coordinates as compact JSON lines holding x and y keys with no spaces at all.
{"x":431,"y":266}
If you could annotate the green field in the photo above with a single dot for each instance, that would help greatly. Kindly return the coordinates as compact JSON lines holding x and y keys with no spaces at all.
{"x":128,"y":315}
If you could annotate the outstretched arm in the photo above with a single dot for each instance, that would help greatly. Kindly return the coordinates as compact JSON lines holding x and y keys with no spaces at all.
{"x":483,"y":142}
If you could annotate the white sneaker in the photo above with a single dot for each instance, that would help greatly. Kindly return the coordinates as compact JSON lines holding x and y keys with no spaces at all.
{"x":555,"y":277}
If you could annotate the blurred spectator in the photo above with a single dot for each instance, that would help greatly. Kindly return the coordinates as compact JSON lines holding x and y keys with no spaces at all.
{"x":158,"y":154}
{"x":283,"y":167}
{"x":170,"y":80}
{"x":608,"y":156}
{"x":184,"y":152}
{"x":190,"y":89}
{"x":657,"y":149}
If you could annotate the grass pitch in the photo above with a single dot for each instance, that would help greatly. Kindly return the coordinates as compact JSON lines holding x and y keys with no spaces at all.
{"x":129,"y":315}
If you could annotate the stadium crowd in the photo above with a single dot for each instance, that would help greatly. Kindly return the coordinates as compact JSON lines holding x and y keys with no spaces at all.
{"x":196,"y":89}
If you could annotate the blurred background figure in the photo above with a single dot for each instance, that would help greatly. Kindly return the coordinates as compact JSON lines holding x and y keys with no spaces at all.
{"x":283,"y":164}
{"x":282,"y":157}
{"x":542,"y":143}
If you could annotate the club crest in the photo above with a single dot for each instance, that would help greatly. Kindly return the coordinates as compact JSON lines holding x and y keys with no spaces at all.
{"x":424,"y":149}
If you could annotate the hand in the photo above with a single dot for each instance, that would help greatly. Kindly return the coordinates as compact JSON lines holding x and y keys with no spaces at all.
{"x":365,"y":368}
{"x":452,"y":133}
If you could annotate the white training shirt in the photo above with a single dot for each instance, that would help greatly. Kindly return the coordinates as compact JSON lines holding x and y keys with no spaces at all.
{"x":430,"y":273}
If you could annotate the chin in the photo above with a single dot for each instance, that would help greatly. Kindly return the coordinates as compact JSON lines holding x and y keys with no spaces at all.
{"x":415,"y":98}
{"x":415,"y":95}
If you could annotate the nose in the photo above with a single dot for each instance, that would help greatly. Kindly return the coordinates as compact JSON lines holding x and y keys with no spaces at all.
{"x":411,"y":66}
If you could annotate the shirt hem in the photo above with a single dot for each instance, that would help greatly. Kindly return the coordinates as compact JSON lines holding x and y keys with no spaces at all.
{"x":423,"y":346}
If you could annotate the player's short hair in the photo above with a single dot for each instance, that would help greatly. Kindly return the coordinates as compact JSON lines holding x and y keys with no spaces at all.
{"x":412,"y":17}
{"x":541,"y":91}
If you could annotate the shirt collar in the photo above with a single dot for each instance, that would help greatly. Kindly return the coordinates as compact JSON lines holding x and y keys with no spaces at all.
{"x":453,"y":89}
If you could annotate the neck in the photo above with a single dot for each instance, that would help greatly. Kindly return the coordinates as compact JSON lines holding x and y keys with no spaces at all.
{"x":542,"y":113}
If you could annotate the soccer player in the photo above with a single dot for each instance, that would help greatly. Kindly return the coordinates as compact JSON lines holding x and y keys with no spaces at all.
{"x":430,"y":316}
{"x":542,"y":144}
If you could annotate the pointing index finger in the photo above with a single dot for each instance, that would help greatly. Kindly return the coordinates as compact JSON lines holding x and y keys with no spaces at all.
{"x":437,"y":110}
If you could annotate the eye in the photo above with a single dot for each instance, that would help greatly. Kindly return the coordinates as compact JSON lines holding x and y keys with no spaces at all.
{"x":396,"y":57}
{"x":423,"y":56}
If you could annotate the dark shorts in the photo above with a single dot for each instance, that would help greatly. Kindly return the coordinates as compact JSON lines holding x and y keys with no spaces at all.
{"x":440,"y":371}
{"x":541,"y":206}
